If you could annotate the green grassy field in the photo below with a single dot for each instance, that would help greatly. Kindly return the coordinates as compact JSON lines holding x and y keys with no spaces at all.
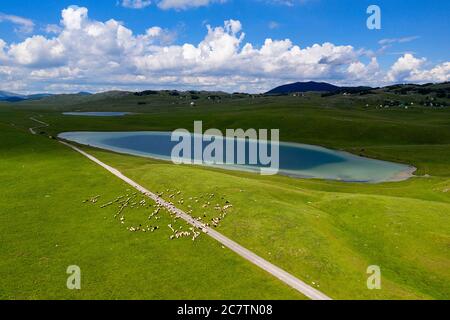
{"x":326,"y":233}
{"x":45,"y":227}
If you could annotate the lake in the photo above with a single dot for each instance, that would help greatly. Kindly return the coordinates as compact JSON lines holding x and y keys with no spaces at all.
{"x":97,"y":114}
{"x":296,"y":160}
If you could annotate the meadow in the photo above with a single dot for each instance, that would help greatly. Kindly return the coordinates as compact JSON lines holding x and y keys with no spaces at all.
{"x":45,"y":226}
{"x":325,"y":233}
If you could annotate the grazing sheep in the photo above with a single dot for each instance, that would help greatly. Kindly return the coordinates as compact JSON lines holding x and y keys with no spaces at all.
{"x":107,"y":204}
{"x":196,"y":235}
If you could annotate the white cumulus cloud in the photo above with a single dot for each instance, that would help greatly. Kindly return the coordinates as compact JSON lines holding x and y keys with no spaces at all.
{"x":410,"y":68}
{"x":404,"y":67}
{"x":38,"y":51}
{"x":86,"y":54}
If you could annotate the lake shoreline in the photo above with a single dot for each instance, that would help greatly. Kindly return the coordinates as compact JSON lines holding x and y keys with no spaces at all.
{"x":297,"y":160}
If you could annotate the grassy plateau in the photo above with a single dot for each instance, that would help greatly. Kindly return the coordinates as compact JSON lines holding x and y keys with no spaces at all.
{"x":324,"y":232}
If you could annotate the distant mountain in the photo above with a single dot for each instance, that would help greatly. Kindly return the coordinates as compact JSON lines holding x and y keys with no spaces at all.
{"x":312,"y":86}
{"x":83,"y":93}
{"x":304,"y":87}
{"x":15,"y":97}
{"x":10,"y":96}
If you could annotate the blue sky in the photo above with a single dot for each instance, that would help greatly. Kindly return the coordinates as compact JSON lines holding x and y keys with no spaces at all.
{"x":415,"y":27}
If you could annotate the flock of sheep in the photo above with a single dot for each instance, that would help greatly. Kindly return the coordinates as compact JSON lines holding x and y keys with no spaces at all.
{"x":212,"y":215}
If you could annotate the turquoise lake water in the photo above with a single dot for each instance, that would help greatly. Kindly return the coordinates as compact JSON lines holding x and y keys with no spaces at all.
{"x":297,"y":160}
